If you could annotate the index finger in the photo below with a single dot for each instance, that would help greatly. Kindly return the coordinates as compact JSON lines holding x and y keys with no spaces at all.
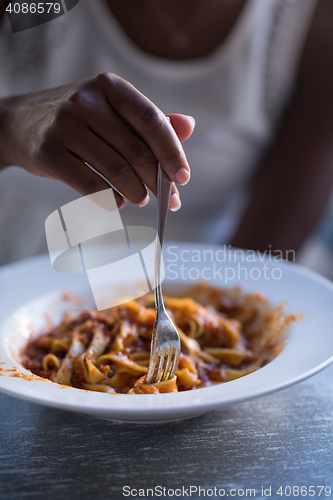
{"x":151,"y":124}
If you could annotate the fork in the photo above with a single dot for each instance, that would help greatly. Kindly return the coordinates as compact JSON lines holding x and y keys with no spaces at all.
{"x":165,"y":344}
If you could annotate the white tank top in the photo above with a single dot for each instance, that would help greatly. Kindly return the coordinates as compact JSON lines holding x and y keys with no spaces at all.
{"x":236,"y":96}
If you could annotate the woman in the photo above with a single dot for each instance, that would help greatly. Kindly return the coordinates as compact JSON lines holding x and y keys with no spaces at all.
{"x":256,"y":75}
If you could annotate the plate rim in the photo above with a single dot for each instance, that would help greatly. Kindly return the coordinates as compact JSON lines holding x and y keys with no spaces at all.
{"x":195,"y":408}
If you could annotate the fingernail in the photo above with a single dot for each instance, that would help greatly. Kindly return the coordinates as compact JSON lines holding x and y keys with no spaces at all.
{"x":175,"y":202}
{"x":144,"y":202}
{"x":192,"y":119}
{"x":182,"y":177}
{"x":123,"y":203}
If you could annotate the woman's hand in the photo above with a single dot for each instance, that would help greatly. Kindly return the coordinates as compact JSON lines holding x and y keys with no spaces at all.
{"x":103,"y":121}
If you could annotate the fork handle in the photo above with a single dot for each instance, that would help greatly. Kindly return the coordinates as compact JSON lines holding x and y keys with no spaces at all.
{"x":164,"y":188}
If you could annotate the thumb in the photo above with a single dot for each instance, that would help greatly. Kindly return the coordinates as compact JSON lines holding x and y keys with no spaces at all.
{"x":183,"y":125}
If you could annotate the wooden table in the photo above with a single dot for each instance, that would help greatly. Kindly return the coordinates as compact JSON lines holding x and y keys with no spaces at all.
{"x":284,"y":439}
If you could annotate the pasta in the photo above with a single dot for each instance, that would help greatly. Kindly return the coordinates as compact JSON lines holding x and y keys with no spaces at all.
{"x":225,"y":334}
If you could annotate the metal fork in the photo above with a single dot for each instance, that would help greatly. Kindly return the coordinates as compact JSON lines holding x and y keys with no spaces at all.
{"x":165,"y":344}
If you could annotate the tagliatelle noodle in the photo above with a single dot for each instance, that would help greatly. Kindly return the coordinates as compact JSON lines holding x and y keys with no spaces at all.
{"x":225,"y":334}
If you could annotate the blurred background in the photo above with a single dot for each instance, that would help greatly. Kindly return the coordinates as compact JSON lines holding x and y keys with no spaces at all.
{"x":250,"y":72}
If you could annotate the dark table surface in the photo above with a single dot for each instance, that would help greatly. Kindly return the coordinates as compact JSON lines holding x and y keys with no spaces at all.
{"x":284,"y":439}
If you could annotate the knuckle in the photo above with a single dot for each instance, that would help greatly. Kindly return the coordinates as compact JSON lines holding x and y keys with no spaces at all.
{"x":102,"y":78}
{"x":123,"y":178}
{"x":79,"y":96}
{"x":83,"y":91}
{"x":140,"y":154}
{"x":82,"y":104}
{"x":106,"y":78}
{"x":173,"y":155}
{"x":118,"y":171}
{"x":151,"y":119}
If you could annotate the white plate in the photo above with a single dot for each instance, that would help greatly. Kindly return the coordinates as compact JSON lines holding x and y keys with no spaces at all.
{"x":31,"y":288}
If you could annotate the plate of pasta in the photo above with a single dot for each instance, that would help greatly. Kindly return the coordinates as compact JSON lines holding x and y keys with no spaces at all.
{"x":242,"y":337}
